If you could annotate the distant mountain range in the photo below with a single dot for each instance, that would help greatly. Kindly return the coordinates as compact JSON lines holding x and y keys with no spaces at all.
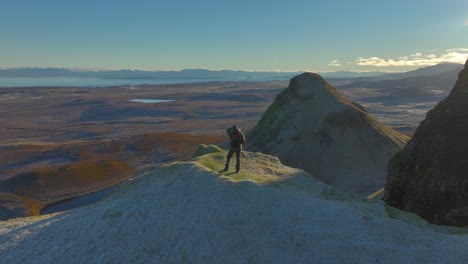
{"x":137,"y":74}
{"x":439,"y":69}
{"x":439,"y":77}
{"x":222,"y":74}
{"x":187,"y":73}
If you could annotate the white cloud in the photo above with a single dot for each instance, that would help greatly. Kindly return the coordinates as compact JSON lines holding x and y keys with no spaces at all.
{"x":417,"y":59}
{"x":334,"y":63}
{"x":417,"y":54}
{"x":466,"y":22}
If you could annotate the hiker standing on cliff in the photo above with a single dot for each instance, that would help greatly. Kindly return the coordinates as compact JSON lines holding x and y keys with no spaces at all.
{"x":236,"y":138}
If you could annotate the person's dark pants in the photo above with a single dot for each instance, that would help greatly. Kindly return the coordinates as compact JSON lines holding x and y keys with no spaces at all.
{"x":231,"y":152}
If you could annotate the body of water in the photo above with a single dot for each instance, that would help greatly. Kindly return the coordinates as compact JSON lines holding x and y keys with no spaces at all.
{"x":151,"y":101}
{"x":96,"y":82}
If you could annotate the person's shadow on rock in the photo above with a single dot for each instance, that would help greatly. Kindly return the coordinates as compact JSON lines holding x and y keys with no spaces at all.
{"x":225,"y":172}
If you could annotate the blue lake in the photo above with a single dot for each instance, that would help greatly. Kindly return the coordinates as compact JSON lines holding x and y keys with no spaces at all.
{"x":151,"y":101}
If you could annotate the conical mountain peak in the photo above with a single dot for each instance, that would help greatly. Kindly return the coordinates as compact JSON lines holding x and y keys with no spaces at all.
{"x":309,"y":85}
{"x":312,"y":127}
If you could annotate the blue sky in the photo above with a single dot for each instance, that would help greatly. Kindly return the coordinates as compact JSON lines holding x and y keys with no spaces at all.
{"x":240,"y":35}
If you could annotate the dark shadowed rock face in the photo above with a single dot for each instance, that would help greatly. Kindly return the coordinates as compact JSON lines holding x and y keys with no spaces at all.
{"x":312,"y":127}
{"x":430,"y":176}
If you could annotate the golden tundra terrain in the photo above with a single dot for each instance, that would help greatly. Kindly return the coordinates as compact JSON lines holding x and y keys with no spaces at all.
{"x":59,"y":143}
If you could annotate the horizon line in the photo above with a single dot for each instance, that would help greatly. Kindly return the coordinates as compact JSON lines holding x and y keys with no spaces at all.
{"x":206,"y":69}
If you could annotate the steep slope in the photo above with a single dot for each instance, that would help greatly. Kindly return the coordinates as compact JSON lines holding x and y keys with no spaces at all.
{"x":430,"y":176}
{"x":270,"y":213}
{"x":312,"y":127}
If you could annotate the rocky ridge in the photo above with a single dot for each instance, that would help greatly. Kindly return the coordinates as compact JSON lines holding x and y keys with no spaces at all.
{"x":430,"y":176}
{"x":268,"y":213}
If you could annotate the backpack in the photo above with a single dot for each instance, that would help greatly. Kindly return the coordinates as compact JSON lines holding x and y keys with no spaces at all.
{"x":236,"y":138}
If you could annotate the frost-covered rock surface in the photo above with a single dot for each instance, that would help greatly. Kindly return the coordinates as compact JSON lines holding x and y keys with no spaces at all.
{"x":269,"y":213}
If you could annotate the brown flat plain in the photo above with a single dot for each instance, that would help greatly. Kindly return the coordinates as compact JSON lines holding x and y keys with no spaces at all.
{"x":58,"y":143}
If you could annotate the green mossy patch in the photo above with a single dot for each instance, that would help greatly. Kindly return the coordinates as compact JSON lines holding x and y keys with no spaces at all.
{"x":254,"y":168}
{"x":206,"y":149}
{"x":213,"y":161}
{"x":266,"y":128}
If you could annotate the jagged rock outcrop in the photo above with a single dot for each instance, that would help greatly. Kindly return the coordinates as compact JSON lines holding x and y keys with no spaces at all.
{"x":312,"y":127}
{"x":430,"y":176}
{"x":188,"y":212}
